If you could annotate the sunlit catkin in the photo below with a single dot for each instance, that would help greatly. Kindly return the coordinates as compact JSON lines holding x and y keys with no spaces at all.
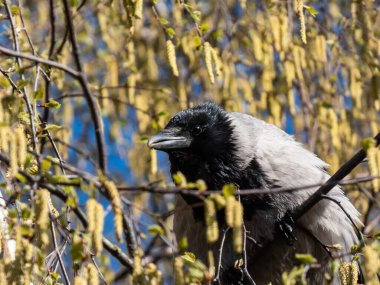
{"x":21,"y":142}
{"x":369,"y":146}
{"x":170,"y":49}
{"x":139,"y":9}
{"x":92,"y":274}
{"x":79,"y":280}
{"x":238,"y":214}
{"x":354,"y":268}
{"x":217,"y":61}
{"x":237,"y":235}
{"x":116,"y":207}
{"x":219,"y":200}
{"x":153,"y":274}
{"x":90,"y":211}
{"x":42,"y":216}
{"x":179,"y":276}
{"x":212,"y":230}
{"x":207,"y":52}
{"x":344,"y":273}
{"x":371,"y":265}
{"x":298,"y":5}
{"x":230,"y":206}
{"x":13,"y":166}
{"x":98,"y":232}
{"x":4,"y":139}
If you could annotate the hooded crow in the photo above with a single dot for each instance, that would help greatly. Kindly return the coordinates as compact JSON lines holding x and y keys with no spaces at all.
{"x":220,"y":147}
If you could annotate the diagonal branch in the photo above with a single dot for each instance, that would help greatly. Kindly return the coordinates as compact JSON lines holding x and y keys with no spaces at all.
{"x":332,"y":182}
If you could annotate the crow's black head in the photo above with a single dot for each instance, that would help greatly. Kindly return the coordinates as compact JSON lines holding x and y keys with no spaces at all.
{"x":198,"y":141}
{"x":203,"y":130}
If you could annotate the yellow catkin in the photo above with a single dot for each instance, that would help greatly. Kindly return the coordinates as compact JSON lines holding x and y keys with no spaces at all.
{"x":13,"y":166}
{"x":4,"y":139}
{"x":92,"y":274}
{"x":354,"y":273}
{"x":334,"y":128}
{"x":170,"y":49}
{"x":371,"y":265}
{"x":211,"y":263}
{"x":299,"y":10}
{"x":212,"y":230}
{"x":276,"y":31}
{"x":79,"y":280}
{"x":230,"y":206}
{"x":139,"y":9}
{"x":372,"y":153}
{"x":137,"y":274}
{"x":153,"y":162}
{"x":90,"y":211}
{"x":179,"y":276}
{"x":219,"y":200}
{"x":217,"y":61}
{"x":238,"y":214}
{"x":238,"y":239}
{"x":42,"y":215}
{"x":257,"y":44}
{"x":344,"y":272}
{"x":154,"y":275}
{"x":321,"y":48}
{"x":29,"y":250}
{"x":208,"y":61}
{"x":21,"y":142}
{"x":3,"y":276}
{"x":116,"y":207}
{"x":98,"y":232}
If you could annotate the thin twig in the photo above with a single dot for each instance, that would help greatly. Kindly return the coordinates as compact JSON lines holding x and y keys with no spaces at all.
{"x":91,"y":102}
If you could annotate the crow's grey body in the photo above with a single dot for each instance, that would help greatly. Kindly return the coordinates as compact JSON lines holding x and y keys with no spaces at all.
{"x":279,"y":161}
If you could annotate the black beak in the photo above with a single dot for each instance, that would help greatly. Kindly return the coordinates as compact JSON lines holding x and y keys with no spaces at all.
{"x":169,"y":139}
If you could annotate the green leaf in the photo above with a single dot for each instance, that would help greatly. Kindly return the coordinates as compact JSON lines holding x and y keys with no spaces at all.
{"x":311,"y":10}
{"x":183,"y":244}
{"x":53,"y":104}
{"x":71,"y":202}
{"x":305,"y":258}
{"x":52,"y":127}
{"x":156,"y":230}
{"x":163,"y":21}
{"x":15,"y":10}
{"x":204,"y":27}
{"x":196,"y":15}
{"x":189,"y":256}
{"x":23,"y":117}
{"x":39,"y":93}
{"x":197,"y":41}
{"x":179,"y":179}
{"x":162,"y":114}
{"x":22,"y":83}
{"x":144,"y":138}
{"x":21,"y":178}
{"x":368,"y":143}
{"x":228,"y":190}
{"x":170,"y":32}
{"x":45,"y":165}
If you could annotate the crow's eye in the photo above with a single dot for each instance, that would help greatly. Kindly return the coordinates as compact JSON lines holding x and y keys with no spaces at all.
{"x":197,"y":130}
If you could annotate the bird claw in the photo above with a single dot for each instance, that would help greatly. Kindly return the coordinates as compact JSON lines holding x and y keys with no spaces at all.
{"x":286,"y":226}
